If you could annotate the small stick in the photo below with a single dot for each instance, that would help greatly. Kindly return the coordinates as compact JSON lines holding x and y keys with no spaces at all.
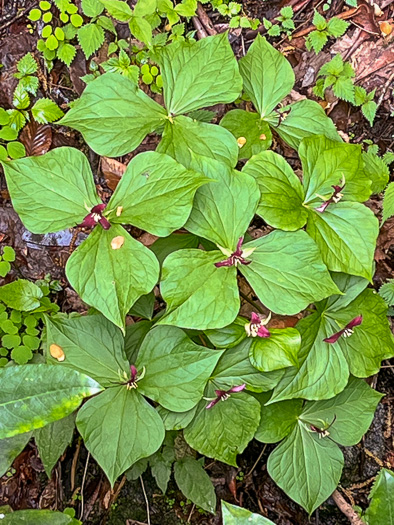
{"x":146,"y":500}
{"x":201,"y":33}
{"x":346,"y":509}
{"x":191,"y":513}
{"x":205,"y":20}
{"x":256,"y":462}
{"x":83,"y":485}
{"x":74,"y":464}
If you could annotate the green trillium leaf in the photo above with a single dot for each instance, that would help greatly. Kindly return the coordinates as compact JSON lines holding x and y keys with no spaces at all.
{"x":282,"y":194}
{"x":223,"y":210}
{"x":33,"y":396}
{"x":278,"y":419}
{"x":38,"y":517}
{"x":176,"y":420}
{"x":177,"y":369}
{"x":198,"y":294}
{"x":381,"y":510}
{"x":302,"y":119}
{"x":223,"y":431}
{"x":185,"y":89}
{"x":53,"y":191}
{"x":233,"y":515}
{"x":250,"y":127}
{"x":113,"y":115}
{"x":176,"y":241}
{"x":287,"y":272}
{"x":276,"y":352}
{"x":195,"y":483}
{"x":112,"y":279}
{"x":124,"y":417}
{"x":268,"y":77}
{"x":155,"y":194}
{"x":135,"y":334}
{"x":91,"y":345}
{"x":185,"y":140}
{"x":10,"y":448}
{"x":230,"y":335}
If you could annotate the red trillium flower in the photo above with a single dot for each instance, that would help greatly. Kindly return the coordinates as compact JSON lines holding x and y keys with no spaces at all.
{"x":237,"y":257}
{"x":346,"y":332}
{"x":222,"y":395}
{"x":134,"y":377}
{"x":256,"y":327}
{"x":96,"y":216}
{"x":335,"y":197}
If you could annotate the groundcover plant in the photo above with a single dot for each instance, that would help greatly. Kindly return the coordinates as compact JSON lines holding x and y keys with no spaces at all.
{"x":199,"y":370}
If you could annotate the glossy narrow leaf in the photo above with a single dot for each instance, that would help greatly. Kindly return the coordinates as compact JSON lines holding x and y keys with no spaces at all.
{"x":268,"y":77}
{"x":124,"y":417}
{"x":381,"y":507}
{"x":185,"y":139}
{"x":353,"y":410}
{"x":234,"y":368}
{"x":287,"y":272}
{"x":346,"y":235}
{"x":198,"y":294}
{"x":195,"y":484}
{"x":304,"y":119}
{"x":278,"y":419}
{"x":113,"y":115}
{"x":223,"y":431}
{"x":33,"y":396}
{"x":276,"y":352}
{"x":185,"y":89}
{"x":254,"y":134}
{"x":91,"y":345}
{"x":53,"y":191}
{"x":155,"y":194}
{"x":325,"y":163}
{"x":10,"y":448}
{"x":177,"y":369}
{"x":307,"y":468}
{"x":223,"y":209}
{"x":21,"y":295}
{"x":111,"y":280}
{"x":282,"y":195}
{"x":52,"y":440}
{"x":233,"y":515}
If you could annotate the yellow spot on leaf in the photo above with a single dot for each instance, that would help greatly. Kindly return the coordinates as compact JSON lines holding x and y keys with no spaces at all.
{"x":117,"y":242}
{"x":262,"y":137}
{"x":119,"y":210}
{"x":56,"y":352}
{"x":241,"y":141}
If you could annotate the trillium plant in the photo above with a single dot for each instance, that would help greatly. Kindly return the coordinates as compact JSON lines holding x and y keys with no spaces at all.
{"x":243,"y":240}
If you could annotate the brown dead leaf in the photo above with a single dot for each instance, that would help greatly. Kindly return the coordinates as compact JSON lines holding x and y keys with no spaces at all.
{"x":37,"y":138}
{"x":112,"y":170}
{"x":147,"y":239}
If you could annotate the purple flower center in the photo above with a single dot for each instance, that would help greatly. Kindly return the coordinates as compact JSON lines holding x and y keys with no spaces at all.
{"x":335,"y":197}
{"x":96,"y":217}
{"x":134,"y":377}
{"x":346,"y":332}
{"x":235,"y":258}
{"x":223,"y":395}
{"x":256,"y":327}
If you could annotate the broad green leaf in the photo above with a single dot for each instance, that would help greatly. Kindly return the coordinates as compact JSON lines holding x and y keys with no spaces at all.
{"x":113,"y":115}
{"x":38,"y":517}
{"x":10,"y":448}
{"x":185,"y":139}
{"x":325,"y":367}
{"x":250,"y":127}
{"x":224,"y":431}
{"x":53,"y":191}
{"x":282,"y":194}
{"x":287,"y":272}
{"x":185,"y":88}
{"x":111,"y":280}
{"x":230,"y":335}
{"x":91,"y":344}
{"x":304,"y":119}
{"x":135,"y":334}
{"x":53,"y":439}
{"x":388,"y":203}
{"x":21,"y":295}
{"x":268,"y":77}
{"x":118,"y":9}
{"x":195,"y":483}
{"x":33,"y":396}
{"x":233,"y":515}
{"x":307,"y":468}
{"x":177,"y":369}
{"x":198,"y":294}
{"x":377,"y":170}
{"x":277,"y":351}
{"x":346,"y":235}
{"x":155,"y":193}
{"x":351,"y":287}
{"x":176,"y":420}
{"x":176,"y":241}
{"x":234,"y":368}
{"x":325,"y":163}
{"x":222,"y":210}
{"x":352,"y":412}
{"x":122,"y":417}
{"x":278,"y":419}
{"x":381,"y":507}
{"x":92,"y":7}
{"x":91,"y":38}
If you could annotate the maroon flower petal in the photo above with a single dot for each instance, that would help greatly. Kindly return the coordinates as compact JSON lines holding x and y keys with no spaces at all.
{"x":134,"y":373}
{"x":105,"y":223}
{"x":255,"y":318}
{"x":355,"y":322}
{"x":99,"y":208}
{"x":263,"y":332}
{"x":238,"y":251}
{"x":227,"y":262}
{"x":235,"y":389}
{"x":212,"y":403}
{"x":334,"y":338}
{"x":323,"y":206}
{"x":88,"y":222}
